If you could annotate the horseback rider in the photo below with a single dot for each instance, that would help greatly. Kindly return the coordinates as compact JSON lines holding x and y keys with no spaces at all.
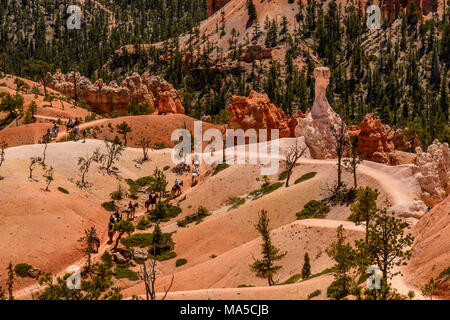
{"x":195,"y":174}
{"x":177,"y":184}
{"x":111,"y":230}
{"x":118,"y":215}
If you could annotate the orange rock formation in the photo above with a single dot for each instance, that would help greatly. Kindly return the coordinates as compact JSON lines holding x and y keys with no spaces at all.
{"x":159,"y":94}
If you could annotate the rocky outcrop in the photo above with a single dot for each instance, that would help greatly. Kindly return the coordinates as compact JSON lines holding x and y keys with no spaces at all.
{"x":257,"y":112}
{"x":433,"y":172}
{"x":157,"y":92}
{"x":319,"y":126}
{"x":391,"y":9}
{"x":431,"y":250}
{"x":374,"y":143}
{"x":214,"y":5}
{"x":256,"y":52}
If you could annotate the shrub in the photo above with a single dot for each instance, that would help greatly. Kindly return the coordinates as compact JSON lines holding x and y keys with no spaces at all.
{"x":313,"y":209}
{"x":22,"y":269}
{"x":245,"y":286}
{"x":295,"y":278}
{"x":107,"y":259}
{"x":63,"y":190}
{"x":336,"y":289}
{"x":180,"y":262}
{"x":197,"y":217}
{"x":313,"y":294}
{"x":445,"y":274}
{"x":109,"y":206}
{"x":266,"y":190}
{"x":123,"y":272}
{"x":235,"y":202}
{"x":140,"y":240}
{"x":165,"y":255}
{"x":283,"y":175}
{"x":305,"y":177}
{"x":220,"y":167}
{"x":143,"y":224}
{"x":166,"y":168}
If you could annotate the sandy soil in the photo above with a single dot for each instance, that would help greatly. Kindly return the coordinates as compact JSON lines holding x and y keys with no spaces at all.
{"x":227,"y":234}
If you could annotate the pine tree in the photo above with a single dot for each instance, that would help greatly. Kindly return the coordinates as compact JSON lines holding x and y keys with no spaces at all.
{"x":266,"y":267}
{"x":345,"y":257}
{"x":306,"y":270}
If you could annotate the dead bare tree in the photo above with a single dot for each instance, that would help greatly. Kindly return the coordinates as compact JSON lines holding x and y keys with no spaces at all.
{"x":340,"y":142}
{"x":33,"y":162}
{"x":84,"y":164}
{"x":145,"y":144}
{"x":292,"y":154}
{"x":45,"y":141}
{"x":149,"y":277}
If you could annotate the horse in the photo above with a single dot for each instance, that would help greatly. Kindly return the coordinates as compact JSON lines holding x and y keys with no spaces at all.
{"x":131,"y":211}
{"x":176,"y":191}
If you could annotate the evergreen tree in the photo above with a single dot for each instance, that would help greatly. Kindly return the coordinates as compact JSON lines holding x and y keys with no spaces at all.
{"x":306,"y":269}
{"x":266,"y":267}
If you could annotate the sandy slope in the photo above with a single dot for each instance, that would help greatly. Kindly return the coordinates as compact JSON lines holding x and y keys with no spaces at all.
{"x":230,"y":235}
{"x":431,"y":250}
{"x":158,"y":128}
{"x":231,"y":268}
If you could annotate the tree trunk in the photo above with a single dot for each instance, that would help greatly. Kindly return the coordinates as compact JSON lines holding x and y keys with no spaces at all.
{"x":288,"y":177}
{"x":117,"y":240}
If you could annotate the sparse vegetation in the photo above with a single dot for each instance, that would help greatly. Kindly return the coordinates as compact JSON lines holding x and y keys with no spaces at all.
{"x":61,"y":189}
{"x":220,"y":167}
{"x":22,"y":269}
{"x":313,"y":294}
{"x":124,"y":272}
{"x":314,"y":209}
{"x":180,"y":262}
{"x":265,"y":190}
{"x":305,"y":177}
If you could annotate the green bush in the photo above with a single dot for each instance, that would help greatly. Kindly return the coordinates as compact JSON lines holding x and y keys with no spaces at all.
{"x":313,"y":294}
{"x":336,"y":289}
{"x":109,"y":206}
{"x":283,"y":175}
{"x":313,"y":209}
{"x":180,"y":262}
{"x":220,"y":167}
{"x":294,"y":279}
{"x":166,"y":168}
{"x":165,"y":255}
{"x":235,"y":202}
{"x":197,"y":217}
{"x":305,"y":177}
{"x":143,"y":224}
{"x":22,"y":269}
{"x":63,"y":190}
{"x":266,"y":190}
{"x":107,"y":259}
{"x":140,"y":240}
{"x":245,"y":286}
{"x":123,"y":272}
{"x":445,"y":274}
